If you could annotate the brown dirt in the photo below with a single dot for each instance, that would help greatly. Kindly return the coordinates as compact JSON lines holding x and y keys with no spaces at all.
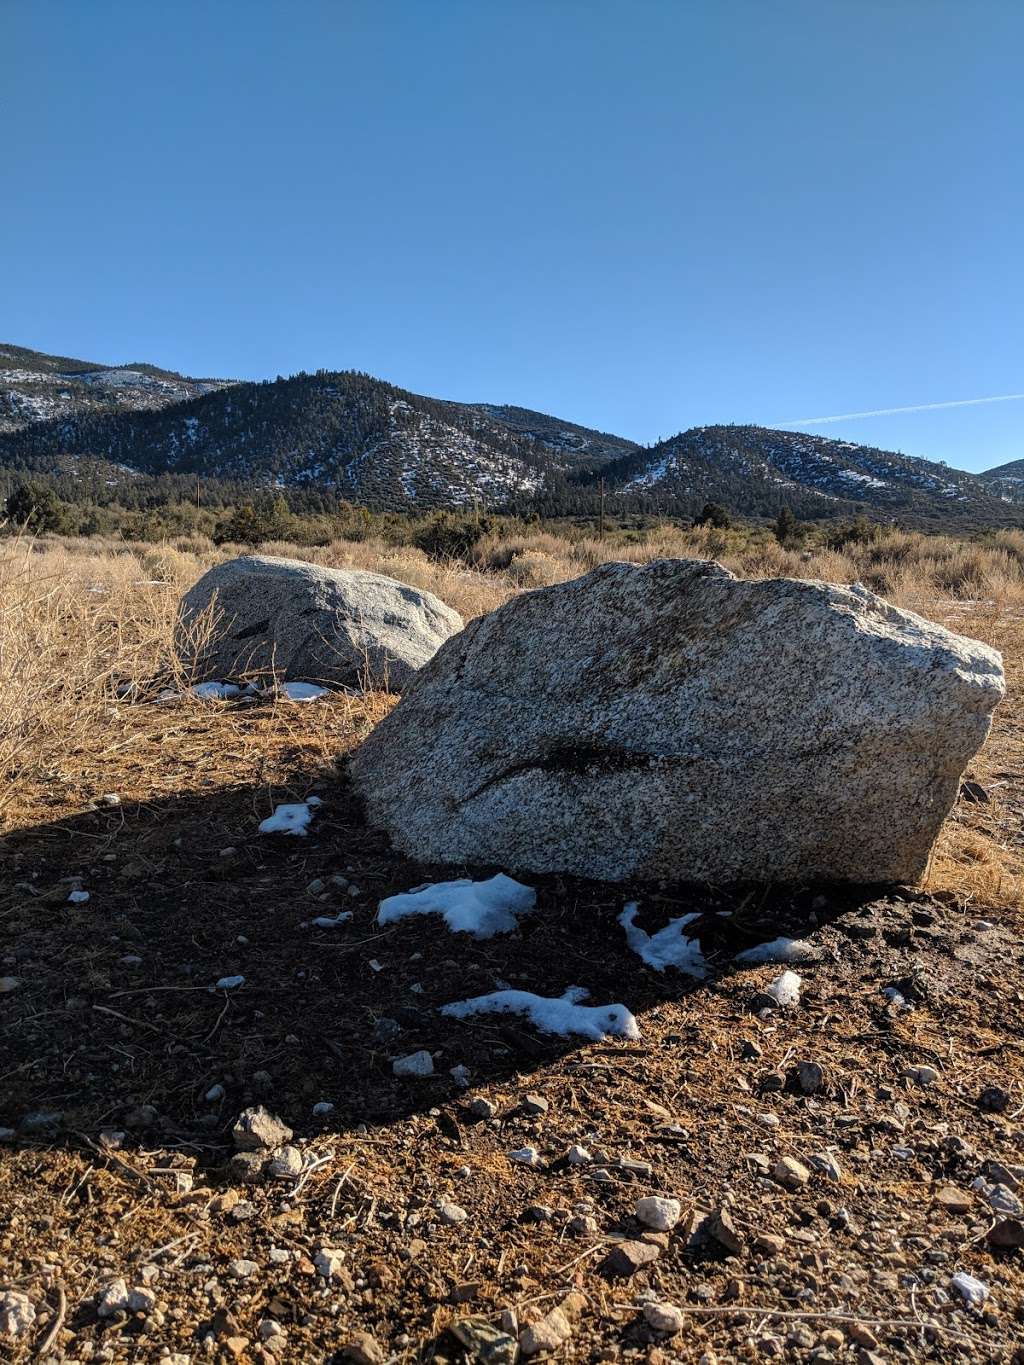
{"x":94,"y":1039}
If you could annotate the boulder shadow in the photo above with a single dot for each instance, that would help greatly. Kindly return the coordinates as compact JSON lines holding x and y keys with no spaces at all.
{"x":117,"y":1021}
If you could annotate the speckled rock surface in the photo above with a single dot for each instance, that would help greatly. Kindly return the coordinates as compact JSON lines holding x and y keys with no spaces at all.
{"x":673,"y":721}
{"x":298,"y":620}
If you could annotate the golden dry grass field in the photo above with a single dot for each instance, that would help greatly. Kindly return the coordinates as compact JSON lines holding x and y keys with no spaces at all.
{"x":114,"y":1038}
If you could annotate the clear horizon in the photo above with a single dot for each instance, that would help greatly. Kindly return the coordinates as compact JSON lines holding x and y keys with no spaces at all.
{"x":640,"y":220}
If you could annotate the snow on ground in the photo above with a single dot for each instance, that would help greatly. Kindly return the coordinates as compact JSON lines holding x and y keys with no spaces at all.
{"x":302,"y":691}
{"x":215,"y":691}
{"x":564,"y":1015}
{"x":785,"y":989}
{"x":669,"y":947}
{"x":780,"y":950}
{"x":291,"y":819}
{"x":482,"y":909}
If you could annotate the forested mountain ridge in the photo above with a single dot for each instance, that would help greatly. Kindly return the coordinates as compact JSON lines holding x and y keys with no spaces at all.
{"x":757,"y":470}
{"x":367,"y":441}
{"x":36,"y":387}
{"x":1006,"y":481}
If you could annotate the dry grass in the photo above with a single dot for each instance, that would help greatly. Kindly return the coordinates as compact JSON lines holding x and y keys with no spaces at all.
{"x":84,"y":620}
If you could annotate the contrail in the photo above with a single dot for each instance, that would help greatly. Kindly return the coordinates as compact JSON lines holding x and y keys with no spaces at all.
{"x":889,"y":412}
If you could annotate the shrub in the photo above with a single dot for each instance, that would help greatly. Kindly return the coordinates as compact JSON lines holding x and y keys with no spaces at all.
{"x":37,"y":508}
{"x":450,"y":535}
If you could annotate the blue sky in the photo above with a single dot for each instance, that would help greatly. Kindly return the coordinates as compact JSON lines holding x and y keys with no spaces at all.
{"x":638,"y":215}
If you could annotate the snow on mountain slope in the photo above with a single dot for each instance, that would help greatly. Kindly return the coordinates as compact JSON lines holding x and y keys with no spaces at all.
{"x":756,"y":470}
{"x":1006,"y":481}
{"x":35,"y":387}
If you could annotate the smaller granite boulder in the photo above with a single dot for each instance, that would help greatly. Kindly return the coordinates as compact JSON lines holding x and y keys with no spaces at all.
{"x":258,"y":615}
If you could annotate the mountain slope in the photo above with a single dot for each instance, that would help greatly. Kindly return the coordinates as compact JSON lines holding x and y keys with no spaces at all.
{"x":375,"y":444}
{"x":757,"y":470}
{"x":577,"y":446}
{"x":35,"y":387}
{"x":367,"y":439}
{"x":1005,"y":481}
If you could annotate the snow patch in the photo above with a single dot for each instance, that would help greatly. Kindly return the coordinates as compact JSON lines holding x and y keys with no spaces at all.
{"x":482,"y":909}
{"x":780,"y":950}
{"x":291,"y":819}
{"x":563,"y":1015}
{"x":668,"y":947}
{"x":785,"y":989}
{"x":302,"y":691}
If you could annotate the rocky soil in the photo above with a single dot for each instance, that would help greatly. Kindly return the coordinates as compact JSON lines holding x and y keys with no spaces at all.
{"x":197,"y":1170}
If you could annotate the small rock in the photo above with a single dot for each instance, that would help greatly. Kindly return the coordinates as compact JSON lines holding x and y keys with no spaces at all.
{"x":664,"y":1317}
{"x":16,"y":1314}
{"x":770,"y":1243}
{"x":386,"y":1030}
{"x":415,"y":1064}
{"x":577,"y":1156}
{"x":973,"y":1292}
{"x":113,"y":1299}
{"x":639,"y":1170}
{"x":243,"y":1211}
{"x":258,"y":1130}
{"x":525,"y":1156}
{"x":241,"y":1269}
{"x":660,"y":1214}
{"x":451,"y":1213}
{"x":921,"y":1075}
{"x":9,"y":984}
{"x":626,"y":1258}
{"x":790,"y":1173}
{"x":229,"y":983}
{"x":809,"y":1077}
{"x":141,"y":1300}
{"x":486,"y":1344}
{"x":827,"y":1164}
{"x":583,"y":1225}
{"x":548,"y":1334}
{"x":247,"y":1167}
{"x":1007,"y":1233}
{"x":286,"y":1164}
{"x":460,"y":1075}
{"x":322,"y":1107}
{"x":954,"y":1200}
{"x":721,"y":1227}
{"x":994,"y":1099}
{"x":482,"y":1108}
{"x":363,"y":1349}
{"x":329,"y":1261}
{"x":535,"y":1104}
{"x":215,"y":1093}
{"x":862,"y":1336}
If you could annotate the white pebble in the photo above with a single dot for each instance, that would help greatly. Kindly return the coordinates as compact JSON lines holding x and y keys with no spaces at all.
{"x":416,"y":1064}
{"x":973,"y":1291}
{"x":657,"y":1213}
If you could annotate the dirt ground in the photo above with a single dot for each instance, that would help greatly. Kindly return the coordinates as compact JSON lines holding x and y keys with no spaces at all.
{"x":124,"y":1069}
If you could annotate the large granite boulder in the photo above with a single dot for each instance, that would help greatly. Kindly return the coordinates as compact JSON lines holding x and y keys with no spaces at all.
{"x":298,"y":620}
{"x":673,"y":721}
